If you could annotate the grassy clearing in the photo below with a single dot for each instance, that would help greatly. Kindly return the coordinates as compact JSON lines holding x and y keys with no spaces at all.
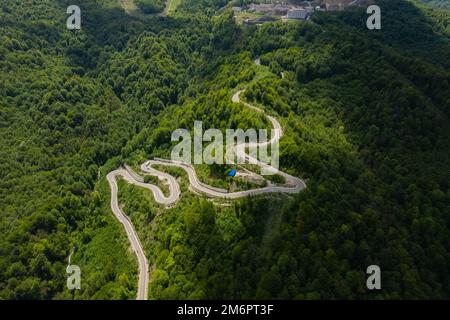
{"x":130,"y":7}
{"x":171,"y":6}
{"x":242,"y":16}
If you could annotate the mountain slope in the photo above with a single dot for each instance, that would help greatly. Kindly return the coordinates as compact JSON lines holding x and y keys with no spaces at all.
{"x":365,"y":115}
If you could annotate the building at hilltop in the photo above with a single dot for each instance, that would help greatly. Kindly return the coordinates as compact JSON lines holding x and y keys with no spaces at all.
{"x":300,"y":14}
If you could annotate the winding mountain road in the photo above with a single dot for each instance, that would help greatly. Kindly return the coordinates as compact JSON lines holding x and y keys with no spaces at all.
{"x":292,"y":185}
{"x":131,"y":233}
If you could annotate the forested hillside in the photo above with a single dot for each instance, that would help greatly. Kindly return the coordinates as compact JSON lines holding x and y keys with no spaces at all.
{"x":70,"y":101}
{"x":366,"y":119}
{"x":151,"y":6}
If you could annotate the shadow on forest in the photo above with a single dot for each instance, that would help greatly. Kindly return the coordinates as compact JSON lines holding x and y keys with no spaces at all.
{"x":404,"y":25}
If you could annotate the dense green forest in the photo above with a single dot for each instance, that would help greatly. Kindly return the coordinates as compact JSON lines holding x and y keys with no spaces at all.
{"x":150,"y":6}
{"x":366,"y":118}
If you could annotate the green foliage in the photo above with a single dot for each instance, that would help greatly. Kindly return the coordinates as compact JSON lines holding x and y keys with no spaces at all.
{"x":366,"y":118}
{"x":65,"y":109}
{"x":150,"y":6}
